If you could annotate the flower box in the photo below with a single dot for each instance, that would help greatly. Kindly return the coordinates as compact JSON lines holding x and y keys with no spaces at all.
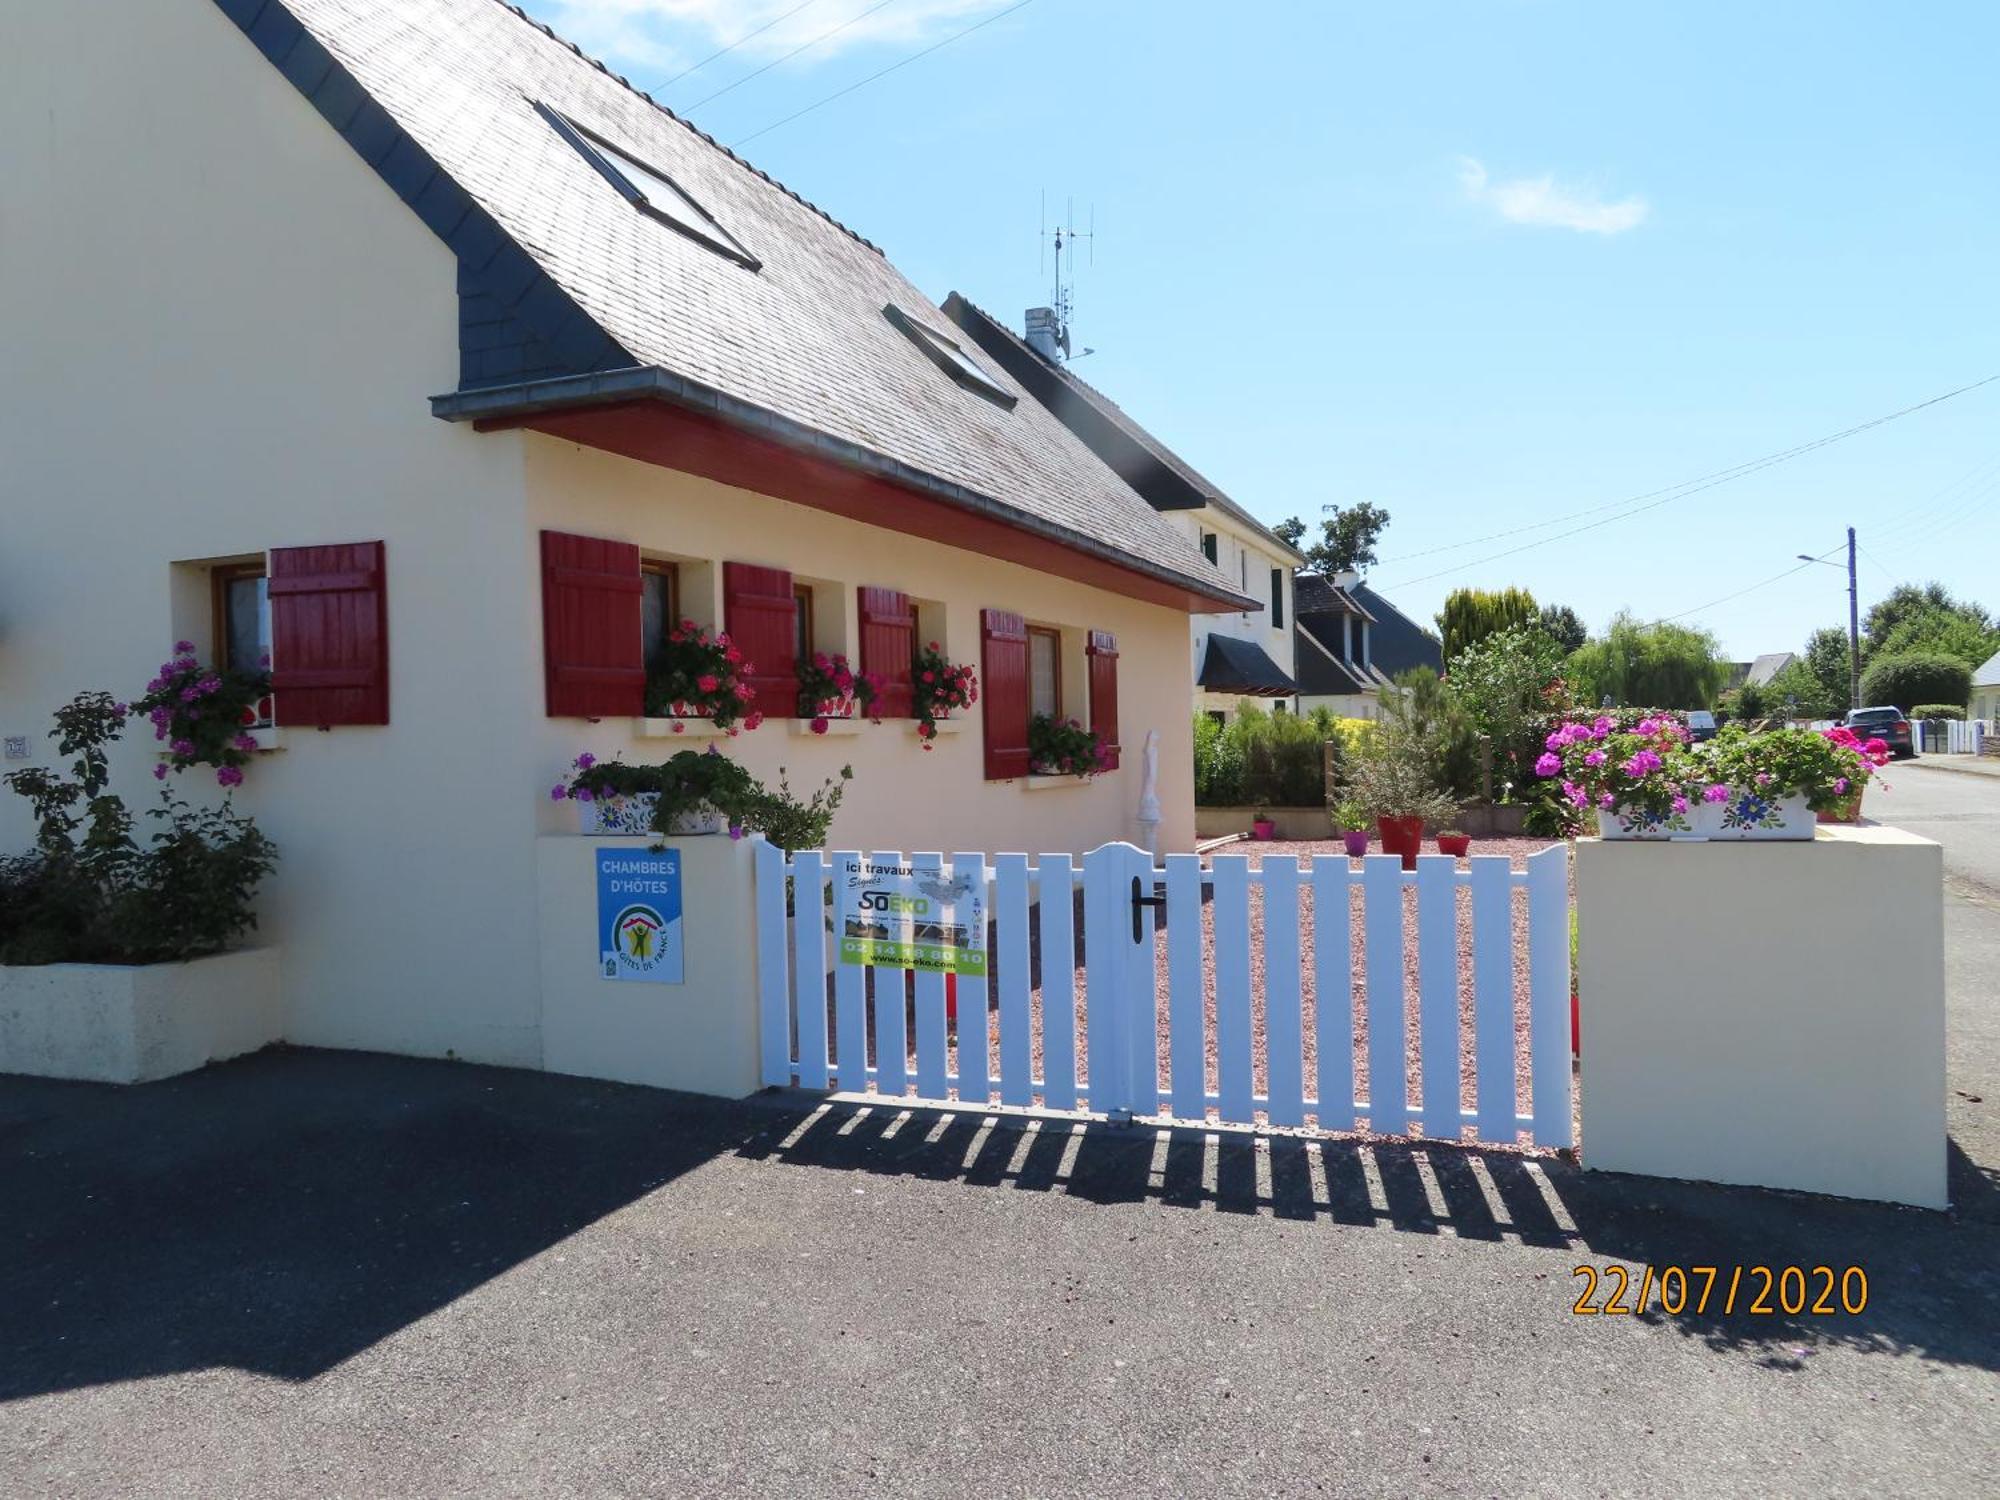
{"x":1753,"y":816}
{"x":633,"y":814}
{"x":1626,"y":823}
{"x":132,"y":1023}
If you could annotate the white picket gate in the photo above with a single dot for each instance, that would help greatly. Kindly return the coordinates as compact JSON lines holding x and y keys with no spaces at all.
{"x":829,"y":1025}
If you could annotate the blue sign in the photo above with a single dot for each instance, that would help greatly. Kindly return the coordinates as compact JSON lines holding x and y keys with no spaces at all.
{"x":639,"y":915}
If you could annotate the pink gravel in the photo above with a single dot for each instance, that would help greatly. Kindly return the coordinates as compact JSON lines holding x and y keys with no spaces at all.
{"x":1517,"y":849}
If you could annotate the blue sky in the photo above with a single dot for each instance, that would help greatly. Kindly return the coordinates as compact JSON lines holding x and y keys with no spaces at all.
{"x":1483,"y":264}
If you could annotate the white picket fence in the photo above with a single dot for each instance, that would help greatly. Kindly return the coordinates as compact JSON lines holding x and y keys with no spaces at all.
{"x":821,"y":1019}
{"x":1953,"y":737}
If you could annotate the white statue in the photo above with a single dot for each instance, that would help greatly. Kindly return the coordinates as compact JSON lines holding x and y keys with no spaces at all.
{"x":1149,"y":796}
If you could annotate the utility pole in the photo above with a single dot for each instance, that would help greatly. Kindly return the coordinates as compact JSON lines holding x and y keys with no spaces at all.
{"x":1853,"y":629}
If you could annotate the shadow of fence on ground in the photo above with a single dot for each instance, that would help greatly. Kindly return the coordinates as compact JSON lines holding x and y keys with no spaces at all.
{"x":1931,"y":1276}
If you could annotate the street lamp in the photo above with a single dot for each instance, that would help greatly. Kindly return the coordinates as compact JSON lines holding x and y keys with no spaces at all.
{"x":1853,"y":622}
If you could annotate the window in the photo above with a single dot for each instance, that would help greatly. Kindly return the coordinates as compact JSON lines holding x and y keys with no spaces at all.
{"x":1277,"y":598}
{"x":1208,"y":545}
{"x":242,"y":616}
{"x":1044,"y":671}
{"x":659,"y":608}
{"x":649,"y":188}
{"x":945,"y":352}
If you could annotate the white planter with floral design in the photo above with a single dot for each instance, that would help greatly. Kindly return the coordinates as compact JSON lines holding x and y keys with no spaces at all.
{"x":1633,"y":823}
{"x":1753,"y":816}
{"x":607,"y":816}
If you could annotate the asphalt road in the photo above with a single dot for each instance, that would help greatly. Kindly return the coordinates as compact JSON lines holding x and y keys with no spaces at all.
{"x":1960,"y":809}
{"x":322,"y":1273}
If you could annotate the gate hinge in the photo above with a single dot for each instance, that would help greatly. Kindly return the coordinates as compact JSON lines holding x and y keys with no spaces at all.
{"x":1140,"y":900}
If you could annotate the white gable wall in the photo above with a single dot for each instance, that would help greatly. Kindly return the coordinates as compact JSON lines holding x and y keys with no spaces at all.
{"x":1245,"y":558}
{"x":221,"y":328}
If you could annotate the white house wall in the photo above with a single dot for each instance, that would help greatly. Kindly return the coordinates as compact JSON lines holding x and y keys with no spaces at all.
{"x":1245,"y":559}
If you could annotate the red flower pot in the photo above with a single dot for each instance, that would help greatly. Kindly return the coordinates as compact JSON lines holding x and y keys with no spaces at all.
{"x":1455,"y":845}
{"x":1356,"y":840}
{"x":1404,"y":836}
{"x":1263,"y":828}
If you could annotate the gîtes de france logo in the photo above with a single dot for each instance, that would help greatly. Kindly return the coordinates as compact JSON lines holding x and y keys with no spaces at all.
{"x":640,"y":933}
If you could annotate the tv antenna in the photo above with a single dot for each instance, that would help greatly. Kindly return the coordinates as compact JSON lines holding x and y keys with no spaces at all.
{"x":1063,"y":238}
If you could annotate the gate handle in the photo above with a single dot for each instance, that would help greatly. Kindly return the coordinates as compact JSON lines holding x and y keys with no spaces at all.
{"x":1138,"y":901}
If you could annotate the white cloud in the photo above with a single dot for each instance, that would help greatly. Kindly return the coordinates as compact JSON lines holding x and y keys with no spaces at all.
{"x":1546,"y":203}
{"x":671,"y":34}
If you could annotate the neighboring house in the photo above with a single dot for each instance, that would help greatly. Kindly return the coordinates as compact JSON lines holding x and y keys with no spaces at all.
{"x":1986,"y":692}
{"x":1768,"y":666}
{"x":1351,"y":643}
{"x":1237,"y":658}
{"x":401,"y":340}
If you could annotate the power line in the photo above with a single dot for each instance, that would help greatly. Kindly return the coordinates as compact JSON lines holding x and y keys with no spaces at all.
{"x":1656,"y":498}
{"x":747,"y":36}
{"x":802,"y":47}
{"x":885,"y":72}
{"x":1726,"y":598}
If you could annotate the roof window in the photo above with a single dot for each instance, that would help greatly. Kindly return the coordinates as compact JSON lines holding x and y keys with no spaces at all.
{"x":649,"y":188}
{"x":945,"y":353}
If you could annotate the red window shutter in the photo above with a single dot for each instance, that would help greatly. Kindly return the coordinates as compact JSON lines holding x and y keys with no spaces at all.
{"x":329,"y":635}
{"x":1003,"y":689}
{"x":1103,"y":654}
{"x":761,"y":616}
{"x":889,"y":646}
{"x":593,"y":660}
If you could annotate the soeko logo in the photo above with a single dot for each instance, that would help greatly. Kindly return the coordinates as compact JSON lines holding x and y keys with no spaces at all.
{"x":638,"y":930}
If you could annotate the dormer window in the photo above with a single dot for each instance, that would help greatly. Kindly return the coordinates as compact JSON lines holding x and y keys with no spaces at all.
{"x":649,"y":189}
{"x":945,"y":352}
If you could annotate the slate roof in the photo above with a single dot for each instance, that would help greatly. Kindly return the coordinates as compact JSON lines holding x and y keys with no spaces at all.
{"x":1321,"y":672}
{"x":799,"y":346}
{"x":1315,"y":594}
{"x":1397,"y":643}
{"x":1162,"y":476}
{"x":1233,"y":665}
{"x":1767,"y":666}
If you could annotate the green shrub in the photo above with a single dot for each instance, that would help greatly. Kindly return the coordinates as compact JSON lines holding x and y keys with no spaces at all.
{"x":1917,"y":677}
{"x":1935,"y":711}
{"x":1272,"y":760}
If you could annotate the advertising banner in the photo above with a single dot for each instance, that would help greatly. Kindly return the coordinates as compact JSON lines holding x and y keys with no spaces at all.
{"x":893,"y":916}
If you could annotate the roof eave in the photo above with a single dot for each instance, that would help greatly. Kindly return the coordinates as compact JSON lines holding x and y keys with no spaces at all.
{"x":509,"y":405}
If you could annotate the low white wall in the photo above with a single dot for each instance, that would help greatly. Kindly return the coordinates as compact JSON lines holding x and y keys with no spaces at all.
{"x":1769,"y":1014}
{"x":699,"y":1035}
{"x":111,"y":1023}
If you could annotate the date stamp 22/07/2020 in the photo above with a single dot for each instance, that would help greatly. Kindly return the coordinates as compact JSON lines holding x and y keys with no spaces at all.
{"x":1699,"y":1291}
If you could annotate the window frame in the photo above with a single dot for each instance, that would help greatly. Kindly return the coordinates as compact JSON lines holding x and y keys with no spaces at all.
{"x":803,"y":621}
{"x":593,"y":148}
{"x":1211,"y":547}
{"x":950,"y":356}
{"x":220,"y":577}
{"x":669,"y":570}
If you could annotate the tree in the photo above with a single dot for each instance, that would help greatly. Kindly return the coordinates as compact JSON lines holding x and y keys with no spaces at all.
{"x":1927,"y":618}
{"x":1471,"y":615}
{"x":1649,"y":666}
{"x":1921,"y":677}
{"x":1800,"y":692}
{"x":1827,"y":661}
{"x":1508,"y":685}
{"x":1346,"y":541}
{"x":1562,"y":625}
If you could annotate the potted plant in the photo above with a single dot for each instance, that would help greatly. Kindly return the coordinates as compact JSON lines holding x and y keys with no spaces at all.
{"x":1063,"y":747}
{"x":1455,"y":842}
{"x":1775,"y":784}
{"x":1396,"y":789}
{"x":1352,"y":820}
{"x":1867,"y":757}
{"x":702,"y":676}
{"x":830,"y":688}
{"x":1637,"y":781}
{"x":1261,"y":826}
{"x":204,"y":715}
{"x":937,"y":686}
{"x":692,"y":792}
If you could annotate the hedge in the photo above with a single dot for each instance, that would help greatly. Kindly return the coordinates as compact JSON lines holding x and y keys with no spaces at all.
{"x":1916,"y":677}
{"x":1936,"y":711}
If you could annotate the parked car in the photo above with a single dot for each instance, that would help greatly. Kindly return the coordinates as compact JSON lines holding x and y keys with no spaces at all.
{"x":1701,"y":725}
{"x":1891,"y":725}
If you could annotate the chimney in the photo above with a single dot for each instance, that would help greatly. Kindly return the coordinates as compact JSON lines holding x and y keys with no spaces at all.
{"x":1041,"y":335}
{"x":1346,"y":579}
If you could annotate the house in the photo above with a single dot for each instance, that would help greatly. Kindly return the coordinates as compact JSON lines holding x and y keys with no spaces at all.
{"x":1351,"y":643}
{"x":402,"y":341}
{"x":1986,"y":692}
{"x":1766,"y":667}
{"x":1238,"y":658}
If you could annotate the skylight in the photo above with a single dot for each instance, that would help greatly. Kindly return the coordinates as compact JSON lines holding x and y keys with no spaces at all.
{"x":946,"y":354}
{"x":649,"y":188}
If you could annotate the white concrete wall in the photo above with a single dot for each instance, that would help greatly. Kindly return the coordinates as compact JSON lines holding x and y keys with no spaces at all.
{"x":1770,"y":1014}
{"x":1244,"y":557}
{"x":902,"y":796}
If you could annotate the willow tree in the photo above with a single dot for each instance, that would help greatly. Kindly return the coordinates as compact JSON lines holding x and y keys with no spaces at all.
{"x":1649,"y":666}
